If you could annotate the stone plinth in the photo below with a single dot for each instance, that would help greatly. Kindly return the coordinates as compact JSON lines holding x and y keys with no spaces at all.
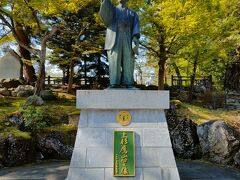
{"x":92,"y":157}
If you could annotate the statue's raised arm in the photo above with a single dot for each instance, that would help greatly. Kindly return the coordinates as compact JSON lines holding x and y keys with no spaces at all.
{"x":107,"y":11}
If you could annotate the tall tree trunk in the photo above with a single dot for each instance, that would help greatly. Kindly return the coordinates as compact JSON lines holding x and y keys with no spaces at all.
{"x":64,"y":76}
{"x":70,"y":81}
{"x":179,"y":83}
{"x":162,"y":61}
{"x":40,"y":85}
{"x":28,"y":70}
{"x":161,"y":71}
{"x":41,"y":79}
{"x":195,"y":63}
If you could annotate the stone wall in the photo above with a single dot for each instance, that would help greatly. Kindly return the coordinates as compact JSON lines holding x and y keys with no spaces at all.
{"x":232,"y":99}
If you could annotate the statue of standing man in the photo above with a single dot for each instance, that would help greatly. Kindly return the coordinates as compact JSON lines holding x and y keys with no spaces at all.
{"x":122,"y":41}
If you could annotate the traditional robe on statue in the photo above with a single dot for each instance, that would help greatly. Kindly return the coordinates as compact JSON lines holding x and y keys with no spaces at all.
{"x":122,"y":27}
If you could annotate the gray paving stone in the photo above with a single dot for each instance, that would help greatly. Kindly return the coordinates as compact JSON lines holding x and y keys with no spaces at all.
{"x":99,"y":157}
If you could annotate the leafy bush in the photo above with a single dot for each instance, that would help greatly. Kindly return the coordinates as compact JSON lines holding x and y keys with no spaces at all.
{"x":35,"y":118}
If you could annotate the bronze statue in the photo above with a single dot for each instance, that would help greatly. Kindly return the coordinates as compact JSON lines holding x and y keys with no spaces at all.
{"x":122,"y":41}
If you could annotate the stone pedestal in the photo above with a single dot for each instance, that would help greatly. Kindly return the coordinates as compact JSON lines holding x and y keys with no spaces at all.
{"x":92,"y":157}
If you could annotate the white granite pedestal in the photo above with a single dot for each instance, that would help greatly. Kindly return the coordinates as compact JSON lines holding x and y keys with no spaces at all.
{"x":92,"y":157}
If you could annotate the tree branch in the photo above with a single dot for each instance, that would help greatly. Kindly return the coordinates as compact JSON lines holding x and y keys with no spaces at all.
{"x":150,"y":48}
{"x":33,"y":14}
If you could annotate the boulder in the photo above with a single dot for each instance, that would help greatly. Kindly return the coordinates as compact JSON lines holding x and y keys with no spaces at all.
{"x":53,"y":146}
{"x":17,"y":151}
{"x":171,"y":116}
{"x":218,"y":142}
{"x":185,"y":140}
{"x":10,"y":83}
{"x":48,"y":95}
{"x":23,"y":91}
{"x":35,"y":100}
{"x":237,"y":158}
{"x":5,"y":92}
{"x":183,"y":133}
{"x":16,"y":120}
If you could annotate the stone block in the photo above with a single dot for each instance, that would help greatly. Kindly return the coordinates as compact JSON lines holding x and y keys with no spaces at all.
{"x":86,"y":174}
{"x":153,"y":174}
{"x":156,"y":137}
{"x":109,"y":175}
{"x":91,"y":137}
{"x":137,"y":132}
{"x":167,"y":158}
{"x":148,"y":157}
{"x":140,"y":118}
{"x":78,"y":157}
{"x":170,"y":174}
{"x":122,"y":99}
{"x":99,"y":157}
{"x":83,"y":119}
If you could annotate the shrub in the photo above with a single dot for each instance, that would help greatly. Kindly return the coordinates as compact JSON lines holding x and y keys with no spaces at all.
{"x":35,"y":118}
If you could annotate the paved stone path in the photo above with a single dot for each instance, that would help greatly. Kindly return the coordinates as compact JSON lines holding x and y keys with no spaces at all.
{"x":57,"y":170}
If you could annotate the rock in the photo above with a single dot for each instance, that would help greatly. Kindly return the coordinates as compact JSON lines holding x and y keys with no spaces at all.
{"x":10,"y":83}
{"x":5,"y":92}
{"x":18,"y":151}
{"x":237,"y":158}
{"x":64,"y":119}
{"x":16,"y":120}
{"x":200,"y":89}
{"x":172,"y":119}
{"x":2,"y":151}
{"x":35,"y":100}
{"x":53,"y":146}
{"x":171,"y":114}
{"x":48,"y":95}
{"x":23,"y":91}
{"x":218,"y":141}
{"x":183,"y":133}
{"x":185,"y":140}
{"x":73,"y":119}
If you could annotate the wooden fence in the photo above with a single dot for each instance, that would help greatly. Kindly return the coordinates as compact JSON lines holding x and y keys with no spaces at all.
{"x":185,"y":81}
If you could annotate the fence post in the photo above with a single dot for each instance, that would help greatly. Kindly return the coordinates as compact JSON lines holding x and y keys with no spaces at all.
{"x":49,"y":80}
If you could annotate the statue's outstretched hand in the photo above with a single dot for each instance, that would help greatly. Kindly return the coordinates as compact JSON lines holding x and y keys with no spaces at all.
{"x":135,"y":45}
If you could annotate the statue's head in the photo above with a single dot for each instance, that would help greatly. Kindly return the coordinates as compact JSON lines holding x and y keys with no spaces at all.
{"x":123,"y":1}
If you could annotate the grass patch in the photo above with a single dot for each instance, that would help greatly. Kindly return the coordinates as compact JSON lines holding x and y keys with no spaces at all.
{"x":200,"y":115}
{"x":9,"y":106}
{"x":15,"y":132}
{"x":64,"y":128}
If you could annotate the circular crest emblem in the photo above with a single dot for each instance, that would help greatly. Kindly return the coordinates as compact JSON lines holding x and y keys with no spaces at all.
{"x":124,"y":118}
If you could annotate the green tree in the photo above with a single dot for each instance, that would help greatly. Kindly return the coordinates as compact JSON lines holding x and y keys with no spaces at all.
{"x":35,"y":15}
